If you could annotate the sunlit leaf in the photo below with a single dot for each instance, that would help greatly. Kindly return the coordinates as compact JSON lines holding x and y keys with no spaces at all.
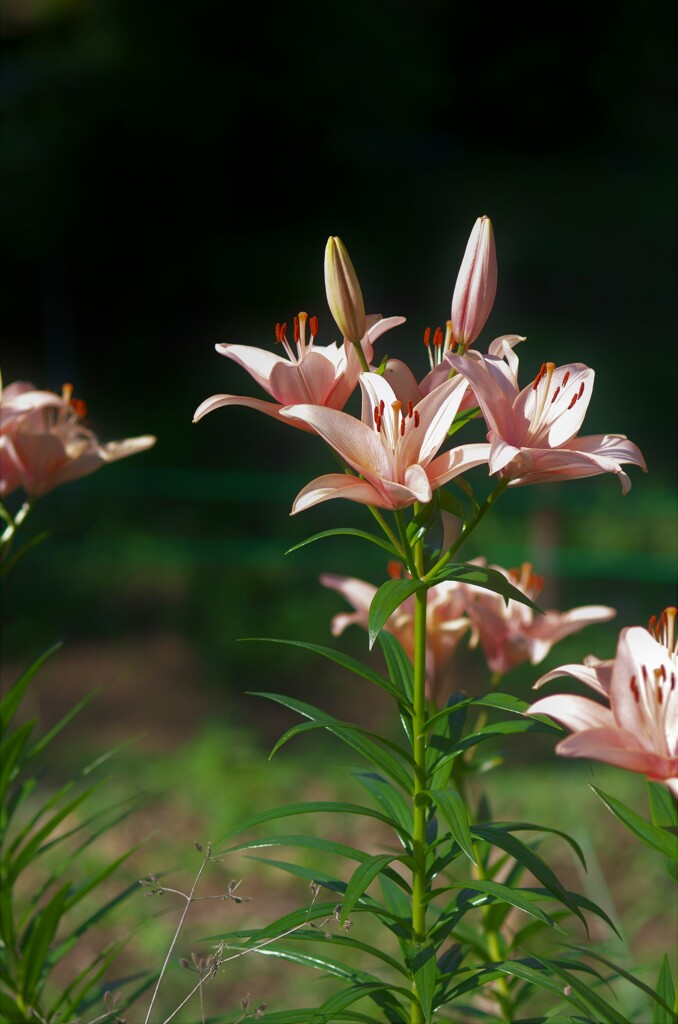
{"x":352,"y":664}
{"x":350,"y":736}
{"x":659,"y":838}
{"x":388,"y":597}
{"x":453,"y":810}
{"x":349,"y":532}
{"x":425,"y":971}
{"x":486,"y":578}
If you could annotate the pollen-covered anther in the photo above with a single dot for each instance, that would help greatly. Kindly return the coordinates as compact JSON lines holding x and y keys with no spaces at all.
{"x":427,"y":337}
{"x":410,"y":410}
{"x":555,"y":394}
{"x":416,"y":418}
{"x":438,"y":337}
{"x":313,"y":326}
{"x":296,"y":329}
{"x":79,"y":407}
{"x":539,"y":376}
{"x":633,"y":686}
{"x":566,"y":378}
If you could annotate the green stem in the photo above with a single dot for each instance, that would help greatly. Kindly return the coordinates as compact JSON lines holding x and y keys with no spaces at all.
{"x":420,"y":779}
{"x":387,"y":530}
{"x":13,"y":524}
{"x":407,"y":549}
{"x":361,"y":356}
{"x":484,"y":508}
{"x":492,"y":936}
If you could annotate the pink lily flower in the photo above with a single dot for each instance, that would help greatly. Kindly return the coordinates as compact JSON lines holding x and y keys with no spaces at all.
{"x":445,"y":621}
{"x":318,"y":375}
{"x":405,"y":385}
{"x":533,"y":432}
{"x":392,"y":448}
{"x":43,"y":442}
{"x":511,"y":634}
{"x":476,"y":284}
{"x":639,"y":729}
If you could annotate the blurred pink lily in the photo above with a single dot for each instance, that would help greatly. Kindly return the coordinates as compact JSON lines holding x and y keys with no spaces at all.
{"x":392,"y":448}
{"x":639,"y":729}
{"x":476,"y":284}
{"x":511,"y":634}
{"x":533,"y":432}
{"x":445,"y":621}
{"x":324,"y":375}
{"x":43,"y":442}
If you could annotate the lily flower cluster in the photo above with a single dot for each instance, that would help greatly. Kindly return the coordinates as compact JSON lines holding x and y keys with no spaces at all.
{"x":508,"y":633}
{"x":44,"y":441}
{"x":391,"y":453}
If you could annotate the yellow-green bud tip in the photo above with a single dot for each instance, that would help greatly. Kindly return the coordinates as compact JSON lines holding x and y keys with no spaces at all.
{"x":344,"y":296}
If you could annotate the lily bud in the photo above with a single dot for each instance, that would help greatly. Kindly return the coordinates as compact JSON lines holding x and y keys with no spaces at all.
{"x":343,"y":291}
{"x":476,"y":284}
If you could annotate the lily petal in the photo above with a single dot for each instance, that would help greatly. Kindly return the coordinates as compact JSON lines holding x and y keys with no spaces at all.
{"x":336,"y":485}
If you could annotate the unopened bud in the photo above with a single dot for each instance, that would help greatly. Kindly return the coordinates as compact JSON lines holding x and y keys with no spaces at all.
{"x":476,"y":284}
{"x":343,"y":291}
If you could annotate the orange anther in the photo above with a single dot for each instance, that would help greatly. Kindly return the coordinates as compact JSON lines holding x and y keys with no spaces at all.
{"x":566,"y":378}
{"x":313,"y":323}
{"x":427,"y":336}
{"x":296,"y":329}
{"x":555,"y":394}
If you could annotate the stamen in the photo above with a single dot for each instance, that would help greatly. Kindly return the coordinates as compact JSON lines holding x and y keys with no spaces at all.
{"x":277,"y":333}
{"x":409,"y":410}
{"x":555,"y":394}
{"x":78,"y":407}
{"x":438,"y":337}
{"x":572,"y":403}
{"x":416,"y":418}
{"x":566,"y":378}
{"x":581,"y":390}
{"x":427,"y":336}
{"x":427,"y":343}
{"x":633,"y":685}
{"x":402,"y":427}
{"x":539,"y":376}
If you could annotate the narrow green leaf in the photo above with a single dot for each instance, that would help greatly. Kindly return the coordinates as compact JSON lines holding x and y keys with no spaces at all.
{"x":384,"y":998}
{"x":577,"y":985}
{"x":665,"y":1014}
{"x":11,"y":701}
{"x":453,"y":810}
{"x":361,"y":878}
{"x":425,"y":973}
{"x":312,"y":843}
{"x":390,"y":799}
{"x":18,"y":555}
{"x":12,"y":749}
{"x":487,"y":579}
{"x":663,"y":1001}
{"x":313,"y":807}
{"x":352,"y":664}
{"x":45,"y":740}
{"x":42,"y":931}
{"x":663,"y":806}
{"x":348,"y":532}
{"x":388,"y":597}
{"x":532,"y":861}
{"x":362,"y":744}
{"x":400,"y":669}
{"x":522,"y":899}
{"x":338,"y":728}
{"x":659,"y":838}
{"x":462,"y":418}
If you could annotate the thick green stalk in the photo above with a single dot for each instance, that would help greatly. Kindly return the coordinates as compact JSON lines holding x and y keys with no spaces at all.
{"x":420,"y":780}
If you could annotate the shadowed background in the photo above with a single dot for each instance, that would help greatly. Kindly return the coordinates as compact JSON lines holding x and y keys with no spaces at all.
{"x":170,"y":176}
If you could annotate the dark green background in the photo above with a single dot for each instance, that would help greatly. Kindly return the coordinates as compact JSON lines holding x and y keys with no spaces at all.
{"x":171,"y":172}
